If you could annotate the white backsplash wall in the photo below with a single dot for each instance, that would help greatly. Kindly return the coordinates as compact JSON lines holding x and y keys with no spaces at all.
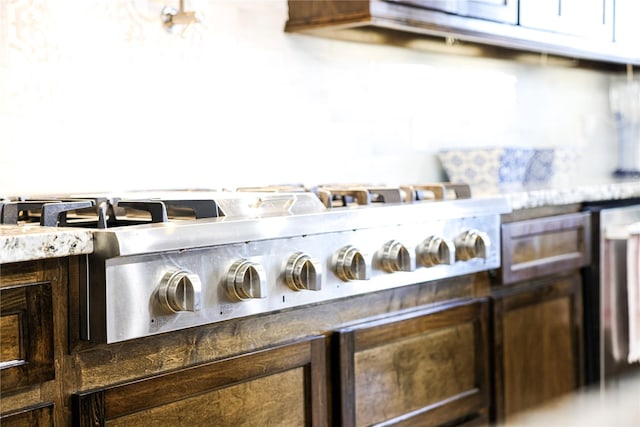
{"x":96,"y":95}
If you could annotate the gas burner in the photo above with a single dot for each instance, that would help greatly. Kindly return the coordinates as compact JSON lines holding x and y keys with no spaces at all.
{"x":102,"y":212}
{"x":49,"y":212}
{"x":435,"y":192}
{"x":338,"y":196}
{"x":344,"y":195}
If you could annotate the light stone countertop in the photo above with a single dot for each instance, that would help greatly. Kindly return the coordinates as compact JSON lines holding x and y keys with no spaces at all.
{"x":526,"y":198}
{"x":26,"y":242}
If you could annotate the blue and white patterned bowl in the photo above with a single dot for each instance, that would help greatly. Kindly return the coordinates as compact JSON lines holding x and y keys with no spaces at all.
{"x":497,"y":166}
{"x":555,"y":166}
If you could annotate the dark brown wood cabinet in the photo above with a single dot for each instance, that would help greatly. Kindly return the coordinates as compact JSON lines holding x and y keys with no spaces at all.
{"x":536,"y":312}
{"x":537,"y":342}
{"x":275,"y":369}
{"x":33,"y":309}
{"x":284,"y":385}
{"x":428,"y":367}
{"x":577,"y":29}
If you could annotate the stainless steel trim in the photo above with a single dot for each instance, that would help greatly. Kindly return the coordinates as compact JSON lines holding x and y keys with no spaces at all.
{"x":141,"y":239}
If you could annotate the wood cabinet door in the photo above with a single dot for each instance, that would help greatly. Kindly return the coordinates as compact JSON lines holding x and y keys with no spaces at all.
{"x":537,"y":333}
{"x":26,"y":325}
{"x":427,"y":367}
{"x":492,"y":10}
{"x":278,"y":386}
{"x":591,"y":19}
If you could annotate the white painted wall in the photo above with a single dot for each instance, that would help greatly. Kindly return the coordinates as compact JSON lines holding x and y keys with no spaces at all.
{"x":95,"y":95}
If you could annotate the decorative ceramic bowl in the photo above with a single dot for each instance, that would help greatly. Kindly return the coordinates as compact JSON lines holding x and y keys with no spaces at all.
{"x":498,"y":166}
{"x":552,"y":166}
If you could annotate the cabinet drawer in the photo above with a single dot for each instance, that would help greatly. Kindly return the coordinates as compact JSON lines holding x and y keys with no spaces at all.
{"x":39,"y":415}
{"x":424,"y":368}
{"x":284,"y":385}
{"x":538,"y":247}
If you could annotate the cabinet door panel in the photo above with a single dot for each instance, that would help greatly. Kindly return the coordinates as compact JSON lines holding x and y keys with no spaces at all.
{"x":538,"y":343}
{"x":26,"y":322}
{"x":627,"y":30}
{"x":584,"y":18}
{"x":284,"y":385}
{"x":427,"y":367}
{"x":493,"y":10}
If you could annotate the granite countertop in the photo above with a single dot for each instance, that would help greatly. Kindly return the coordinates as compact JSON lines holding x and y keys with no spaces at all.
{"x":526,"y":198}
{"x":25,"y":242}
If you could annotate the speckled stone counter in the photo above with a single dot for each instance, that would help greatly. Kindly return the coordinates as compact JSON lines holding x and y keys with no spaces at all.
{"x":25,"y":243}
{"x":577,"y":193}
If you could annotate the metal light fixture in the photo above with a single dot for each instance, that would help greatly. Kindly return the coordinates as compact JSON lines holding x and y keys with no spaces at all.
{"x":179,"y":20}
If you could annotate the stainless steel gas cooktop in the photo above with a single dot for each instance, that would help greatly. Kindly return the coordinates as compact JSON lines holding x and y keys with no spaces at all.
{"x":168,"y":260}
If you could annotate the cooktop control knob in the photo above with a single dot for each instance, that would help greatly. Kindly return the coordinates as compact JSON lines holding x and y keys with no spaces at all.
{"x":436,"y":250}
{"x":179,"y":290}
{"x":349,"y":264}
{"x":303,"y":272}
{"x":394,"y":256}
{"x":246,"y":280}
{"x":472,"y":244}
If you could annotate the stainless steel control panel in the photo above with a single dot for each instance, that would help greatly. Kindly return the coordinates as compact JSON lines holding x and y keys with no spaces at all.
{"x":172,"y":289}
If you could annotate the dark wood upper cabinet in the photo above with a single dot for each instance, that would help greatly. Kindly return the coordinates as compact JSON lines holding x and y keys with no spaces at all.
{"x":577,"y":29}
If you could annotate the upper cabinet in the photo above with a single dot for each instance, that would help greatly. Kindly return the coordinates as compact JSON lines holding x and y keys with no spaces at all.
{"x":592,"y":19}
{"x":627,"y":30}
{"x":600,"y":30}
{"x":493,"y":10}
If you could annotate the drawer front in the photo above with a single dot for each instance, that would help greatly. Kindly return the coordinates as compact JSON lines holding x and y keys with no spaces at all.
{"x":280,"y":386}
{"x":539,"y":247}
{"x":39,"y":415}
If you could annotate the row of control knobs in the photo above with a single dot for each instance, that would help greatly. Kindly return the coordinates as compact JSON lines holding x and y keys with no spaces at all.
{"x":180,"y":290}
